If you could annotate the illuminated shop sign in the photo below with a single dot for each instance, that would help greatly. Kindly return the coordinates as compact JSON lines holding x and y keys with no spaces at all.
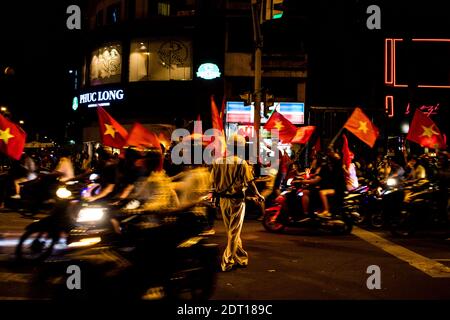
{"x":427,"y":109}
{"x":238,"y":113}
{"x":208,"y":71}
{"x":75,"y":103}
{"x":101,"y":98}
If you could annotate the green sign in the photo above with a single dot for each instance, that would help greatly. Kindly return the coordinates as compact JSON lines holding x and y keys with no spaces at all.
{"x":208,"y":71}
{"x":75,"y":103}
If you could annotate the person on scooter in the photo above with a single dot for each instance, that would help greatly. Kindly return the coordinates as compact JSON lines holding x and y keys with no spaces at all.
{"x":331,"y":181}
{"x":351,"y":178}
{"x":24,"y":172}
{"x":416,"y":169}
{"x":108,"y":171}
{"x":65,"y":167}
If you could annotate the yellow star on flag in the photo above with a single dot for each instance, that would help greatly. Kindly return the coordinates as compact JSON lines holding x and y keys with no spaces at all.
{"x":278,"y":125}
{"x":109,"y":130}
{"x":5,"y":135}
{"x":428,"y":131}
{"x":363,"y":126}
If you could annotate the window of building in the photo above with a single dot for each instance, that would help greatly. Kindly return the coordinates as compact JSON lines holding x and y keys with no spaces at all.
{"x":161,"y":60}
{"x":106,"y":64}
{"x":163,"y":9}
{"x":113,"y":14}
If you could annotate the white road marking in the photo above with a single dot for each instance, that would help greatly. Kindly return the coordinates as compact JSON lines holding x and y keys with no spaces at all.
{"x":429,"y":266}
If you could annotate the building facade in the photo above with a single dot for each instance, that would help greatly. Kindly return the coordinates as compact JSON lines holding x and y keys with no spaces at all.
{"x":141,"y":60}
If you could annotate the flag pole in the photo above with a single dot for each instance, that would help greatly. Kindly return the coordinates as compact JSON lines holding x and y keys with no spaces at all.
{"x":335,"y":137}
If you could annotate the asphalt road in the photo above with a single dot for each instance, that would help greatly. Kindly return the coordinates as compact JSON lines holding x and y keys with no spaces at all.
{"x":296,"y":265}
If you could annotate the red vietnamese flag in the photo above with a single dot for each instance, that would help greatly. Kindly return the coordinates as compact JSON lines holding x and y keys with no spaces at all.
{"x":216,"y":120}
{"x":218,"y":143}
{"x":303,"y":134}
{"x":346,"y":152}
{"x":286,"y":129}
{"x":12,"y":138}
{"x":112,"y":133}
{"x":142,"y":138}
{"x":360,"y":125}
{"x":222,"y":109}
{"x":424,"y":132}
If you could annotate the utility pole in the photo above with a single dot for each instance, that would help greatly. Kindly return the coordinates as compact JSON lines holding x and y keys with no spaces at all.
{"x":258,"y":41}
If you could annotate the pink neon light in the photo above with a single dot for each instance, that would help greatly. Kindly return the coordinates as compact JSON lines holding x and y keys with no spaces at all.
{"x":388,"y":72}
{"x":431,"y":40}
{"x":394,"y":64}
{"x":389,"y":101}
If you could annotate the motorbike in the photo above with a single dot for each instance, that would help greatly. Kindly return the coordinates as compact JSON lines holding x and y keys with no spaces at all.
{"x":287,"y":212}
{"x":40,"y":237}
{"x":35,"y":195}
{"x":370,"y":204}
{"x":153,"y":255}
{"x":421,"y":205}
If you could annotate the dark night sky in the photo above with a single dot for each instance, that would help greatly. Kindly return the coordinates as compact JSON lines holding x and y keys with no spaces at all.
{"x":344,"y":55}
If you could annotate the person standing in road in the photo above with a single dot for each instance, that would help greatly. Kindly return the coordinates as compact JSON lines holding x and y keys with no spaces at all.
{"x":231,"y":176}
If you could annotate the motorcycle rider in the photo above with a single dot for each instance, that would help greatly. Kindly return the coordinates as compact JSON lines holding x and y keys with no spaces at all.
{"x":330,"y":179}
{"x":108,"y":170}
{"x":25,"y":172}
{"x":65,"y":167}
{"x":417,"y":170}
{"x":351,"y":178}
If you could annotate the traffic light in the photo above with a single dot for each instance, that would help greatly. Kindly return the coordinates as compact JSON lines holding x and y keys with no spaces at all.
{"x":247,"y":97}
{"x":274,"y":9}
{"x":269,"y":100}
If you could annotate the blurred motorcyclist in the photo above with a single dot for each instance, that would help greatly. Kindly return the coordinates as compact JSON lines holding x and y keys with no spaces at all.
{"x":65,"y":167}
{"x":23,"y":171}
{"x":107,"y":167}
{"x":156,"y":192}
{"x":416,"y":169}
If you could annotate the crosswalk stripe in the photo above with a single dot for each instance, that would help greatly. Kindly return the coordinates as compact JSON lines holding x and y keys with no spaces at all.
{"x":428,"y":266}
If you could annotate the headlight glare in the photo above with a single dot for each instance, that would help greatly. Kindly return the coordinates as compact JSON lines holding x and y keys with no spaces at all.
{"x":90,"y":214}
{"x":391,"y":182}
{"x":63,"y":193}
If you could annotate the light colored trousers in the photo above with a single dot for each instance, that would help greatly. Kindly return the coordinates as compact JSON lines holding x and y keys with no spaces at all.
{"x":233,"y":211}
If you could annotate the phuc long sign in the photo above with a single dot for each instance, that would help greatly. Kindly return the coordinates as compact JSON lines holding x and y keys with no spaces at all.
{"x":101,"y":98}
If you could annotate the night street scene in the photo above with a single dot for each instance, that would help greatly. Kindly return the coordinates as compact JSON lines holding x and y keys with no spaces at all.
{"x":224,"y":156}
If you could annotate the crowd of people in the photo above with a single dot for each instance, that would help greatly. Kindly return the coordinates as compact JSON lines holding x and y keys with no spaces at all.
{"x":150,"y":181}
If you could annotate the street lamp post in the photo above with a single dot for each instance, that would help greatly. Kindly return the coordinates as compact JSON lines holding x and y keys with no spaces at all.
{"x":258,"y":40}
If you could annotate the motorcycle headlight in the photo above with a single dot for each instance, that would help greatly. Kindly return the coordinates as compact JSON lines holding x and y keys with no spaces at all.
{"x":90,"y":214}
{"x":391,"y":182}
{"x":289,"y":181}
{"x":93,"y":177}
{"x":63,"y":193}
